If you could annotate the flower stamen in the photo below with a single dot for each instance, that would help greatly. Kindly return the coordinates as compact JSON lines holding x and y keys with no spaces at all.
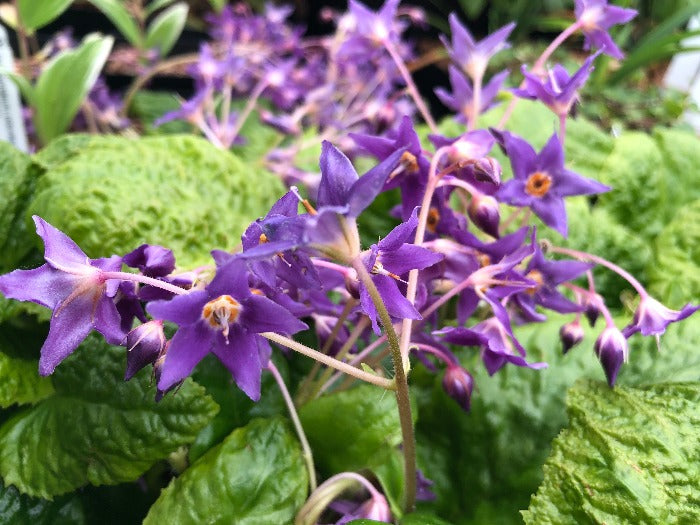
{"x":221,"y":312}
{"x":538,"y":184}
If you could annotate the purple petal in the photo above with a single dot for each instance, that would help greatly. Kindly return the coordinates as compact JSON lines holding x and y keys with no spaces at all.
{"x":60,"y":251}
{"x":44,"y":285}
{"x":242,"y":359}
{"x":182,"y":310}
{"x":409,"y":257}
{"x":552,"y":212}
{"x":551,"y":157}
{"x":400,"y":234}
{"x":70,"y":325}
{"x":187,"y":348}
{"x":260,"y":314}
{"x":337,"y":176}
{"x":108,"y":322}
{"x":396,"y":304}
{"x":367,"y":187}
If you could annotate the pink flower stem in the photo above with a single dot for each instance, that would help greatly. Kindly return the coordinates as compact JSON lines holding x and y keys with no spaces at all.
{"x":138,"y":278}
{"x":476,"y":103}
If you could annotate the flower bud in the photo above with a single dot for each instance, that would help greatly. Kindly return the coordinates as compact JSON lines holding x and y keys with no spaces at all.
{"x":571,"y":334}
{"x":611,"y":349}
{"x":485,"y":213}
{"x":143,"y":346}
{"x":592,"y":309}
{"x":376,"y":508}
{"x":488,"y":169}
{"x":458,"y":383}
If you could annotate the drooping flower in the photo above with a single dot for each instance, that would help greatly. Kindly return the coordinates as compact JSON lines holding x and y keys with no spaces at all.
{"x":652,"y":317}
{"x":143,"y":346}
{"x":74,"y":287}
{"x":570,"y":335}
{"x":540,"y":180}
{"x":612,"y":350}
{"x":596,"y":17}
{"x":462,"y":97}
{"x":223,"y":319}
{"x":472,"y":56}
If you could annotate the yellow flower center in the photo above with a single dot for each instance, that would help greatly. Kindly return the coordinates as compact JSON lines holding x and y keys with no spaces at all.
{"x":221,"y":312}
{"x":433,"y":220}
{"x":538,"y":184}
{"x":535,"y":275}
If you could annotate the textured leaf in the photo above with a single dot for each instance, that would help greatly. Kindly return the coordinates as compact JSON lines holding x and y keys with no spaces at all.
{"x":257,"y":475}
{"x":116,"y":11}
{"x":56,"y":106}
{"x":19,"y":380}
{"x":628,"y":456}
{"x":178,"y":191}
{"x":166,"y":28}
{"x":675,"y":270}
{"x":36,"y":14}
{"x":18,"y":509}
{"x":96,"y":428}
{"x":365,"y":428}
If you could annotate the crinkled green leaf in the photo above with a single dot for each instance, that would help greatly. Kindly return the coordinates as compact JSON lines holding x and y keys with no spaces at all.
{"x":97,"y":428}
{"x":365,"y":428}
{"x":56,"y":105}
{"x":628,"y":456}
{"x":19,"y":509}
{"x":166,"y":27}
{"x":35,"y":14}
{"x":257,"y":475}
{"x":675,"y":269}
{"x":111,"y":194}
{"x":20,"y":381}
{"x":116,"y":11}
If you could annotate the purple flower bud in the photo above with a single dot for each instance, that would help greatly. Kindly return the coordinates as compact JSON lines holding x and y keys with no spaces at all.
{"x":376,"y":508}
{"x":488,"y":169}
{"x":485,"y":214}
{"x":611,"y":349}
{"x":571,"y":334}
{"x":592,"y":310}
{"x":458,"y":383}
{"x":143,"y":346}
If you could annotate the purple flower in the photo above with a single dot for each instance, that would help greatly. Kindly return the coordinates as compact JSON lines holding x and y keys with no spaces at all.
{"x":558,"y":91}
{"x":461,"y":99}
{"x":611,"y":349}
{"x":570,"y":335}
{"x":652,"y":317}
{"x":459,"y":384}
{"x":376,"y":27}
{"x":224,"y":319}
{"x":596,"y":17}
{"x":472,"y":56}
{"x":74,"y":287}
{"x":143,"y":346}
{"x":541,"y":181}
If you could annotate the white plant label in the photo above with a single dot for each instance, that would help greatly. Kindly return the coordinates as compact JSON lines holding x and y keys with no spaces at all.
{"x":11,"y":122}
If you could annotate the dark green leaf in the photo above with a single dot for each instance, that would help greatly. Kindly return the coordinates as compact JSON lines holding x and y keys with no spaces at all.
{"x":166,"y":28}
{"x":257,"y":475}
{"x":18,"y":509}
{"x":35,"y":14}
{"x":20,"y":381}
{"x":65,"y":82}
{"x":628,"y":456}
{"x":96,"y":428}
{"x":148,"y":106}
{"x":422,"y":518}
{"x":116,"y":11}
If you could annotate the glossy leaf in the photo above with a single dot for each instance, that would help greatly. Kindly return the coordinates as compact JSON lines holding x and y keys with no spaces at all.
{"x":35,"y":14}
{"x":18,"y":509}
{"x":96,"y":428}
{"x":155,"y":5}
{"x":628,"y":456}
{"x":20,"y":382}
{"x":65,"y":82}
{"x":116,"y":11}
{"x":257,"y":475}
{"x":166,"y":28}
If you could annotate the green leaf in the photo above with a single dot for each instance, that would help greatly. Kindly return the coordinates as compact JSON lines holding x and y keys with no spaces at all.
{"x":422,"y":518}
{"x":149,"y":106}
{"x":35,"y":14}
{"x":116,"y":11}
{"x":257,"y":475}
{"x":628,"y":456}
{"x":18,"y":509}
{"x":65,"y":82}
{"x":155,"y":5}
{"x":190,"y":196}
{"x":25,"y":88}
{"x":364,"y":432}
{"x":165,"y":29}
{"x":20,"y":381}
{"x":96,"y":428}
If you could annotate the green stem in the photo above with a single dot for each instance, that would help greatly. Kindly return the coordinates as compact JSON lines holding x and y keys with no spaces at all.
{"x":401,"y":381}
{"x":306,"y":448}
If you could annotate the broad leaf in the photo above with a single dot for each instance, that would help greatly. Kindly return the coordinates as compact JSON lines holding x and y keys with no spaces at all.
{"x":35,"y":14}
{"x":165,"y":28}
{"x":96,"y":428}
{"x":20,"y":381}
{"x":18,"y":509}
{"x":257,"y":475}
{"x":628,"y":456}
{"x":65,"y":82}
{"x":155,"y":5}
{"x":116,"y":11}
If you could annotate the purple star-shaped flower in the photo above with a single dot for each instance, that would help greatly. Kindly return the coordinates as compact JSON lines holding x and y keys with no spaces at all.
{"x":596,"y":17}
{"x":461,"y":99}
{"x":224,"y":319}
{"x":74,"y":287}
{"x":472,"y":56}
{"x":377,"y":27}
{"x":558,"y":91}
{"x":652,"y":317}
{"x":541,"y":181}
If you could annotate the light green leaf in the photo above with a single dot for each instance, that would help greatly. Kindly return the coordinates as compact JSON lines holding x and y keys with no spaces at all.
{"x":365,"y":427}
{"x":35,"y":14}
{"x":120,"y":17}
{"x":165,"y":29}
{"x":190,"y":196}
{"x":23,"y":85}
{"x":154,"y":5}
{"x":64,"y":84}
{"x":19,"y":509}
{"x":96,"y":428}
{"x":257,"y":475}
{"x":628,"y":456}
